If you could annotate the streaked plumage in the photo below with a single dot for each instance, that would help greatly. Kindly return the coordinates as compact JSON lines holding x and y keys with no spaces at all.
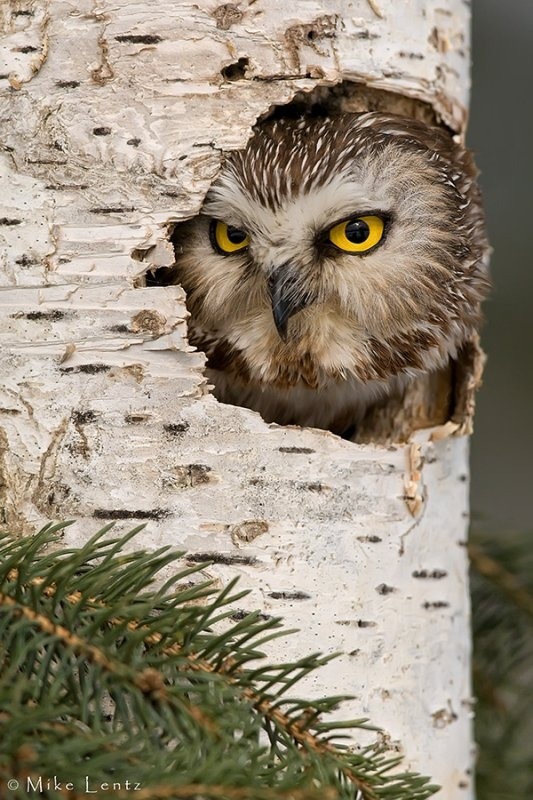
{"x":306,"y":333}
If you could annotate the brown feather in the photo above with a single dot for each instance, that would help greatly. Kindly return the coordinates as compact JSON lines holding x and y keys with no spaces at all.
{"x":377,"y":319}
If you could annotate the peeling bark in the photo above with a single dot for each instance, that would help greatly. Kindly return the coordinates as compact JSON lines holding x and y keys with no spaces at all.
{"x":114,"y":120}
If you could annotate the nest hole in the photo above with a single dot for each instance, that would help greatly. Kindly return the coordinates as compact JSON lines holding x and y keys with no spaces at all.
{"x":349,"y":96}
{"x":437,"y":398}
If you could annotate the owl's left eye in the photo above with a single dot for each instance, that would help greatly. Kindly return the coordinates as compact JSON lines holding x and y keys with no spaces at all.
{"x":357,"y":235}
{"x":227,"y":239}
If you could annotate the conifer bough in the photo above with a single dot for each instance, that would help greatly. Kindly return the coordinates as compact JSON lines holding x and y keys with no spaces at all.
{"x":110,"y":683}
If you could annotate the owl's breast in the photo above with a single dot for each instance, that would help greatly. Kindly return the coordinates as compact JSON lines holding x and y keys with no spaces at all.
{"x":336,"y":405}
{"x":289,"y":388}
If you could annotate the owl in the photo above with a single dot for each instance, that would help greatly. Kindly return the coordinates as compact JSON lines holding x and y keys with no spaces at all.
{"x":334,"y":260}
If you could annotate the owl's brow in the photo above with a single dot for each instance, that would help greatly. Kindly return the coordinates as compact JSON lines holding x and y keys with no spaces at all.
{"x":386,"y":216}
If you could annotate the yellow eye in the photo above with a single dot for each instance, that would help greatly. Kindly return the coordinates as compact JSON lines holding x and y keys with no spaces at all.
{"x":357,"y":235}
{"x":227,"y":239}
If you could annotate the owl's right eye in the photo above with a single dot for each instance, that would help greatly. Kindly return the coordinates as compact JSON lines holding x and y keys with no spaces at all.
{"x":358,"y":235}
{"x":227,"y":239}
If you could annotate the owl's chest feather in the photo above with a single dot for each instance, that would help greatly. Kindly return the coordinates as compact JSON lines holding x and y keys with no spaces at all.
{"x":336,"y":405}
{"x":289,"y":387}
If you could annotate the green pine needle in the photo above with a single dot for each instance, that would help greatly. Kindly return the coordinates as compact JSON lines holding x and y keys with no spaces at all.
{"x":502,"y":599}
{"x":107,"y":680}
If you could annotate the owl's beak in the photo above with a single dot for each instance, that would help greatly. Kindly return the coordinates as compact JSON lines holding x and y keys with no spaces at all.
{"x":287,"y":296}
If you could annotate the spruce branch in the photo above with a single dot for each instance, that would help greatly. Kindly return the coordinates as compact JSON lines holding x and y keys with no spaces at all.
{"x":505,"y":581}
{"x":104,"y":672}
{"x":502,"y":599}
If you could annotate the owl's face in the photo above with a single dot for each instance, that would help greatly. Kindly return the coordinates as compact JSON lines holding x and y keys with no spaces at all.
{"x":354,"y":244}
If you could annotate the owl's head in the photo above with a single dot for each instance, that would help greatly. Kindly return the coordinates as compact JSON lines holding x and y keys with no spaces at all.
{"x":355,"y":240}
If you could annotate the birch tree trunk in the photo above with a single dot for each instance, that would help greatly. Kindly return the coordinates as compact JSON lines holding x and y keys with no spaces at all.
{"x":114,"y":117}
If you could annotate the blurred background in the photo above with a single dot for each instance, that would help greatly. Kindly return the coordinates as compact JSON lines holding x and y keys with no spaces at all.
{"x":501,"y":135}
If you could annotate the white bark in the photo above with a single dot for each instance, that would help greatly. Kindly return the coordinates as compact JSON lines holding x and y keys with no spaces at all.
{"x":113,"y":120}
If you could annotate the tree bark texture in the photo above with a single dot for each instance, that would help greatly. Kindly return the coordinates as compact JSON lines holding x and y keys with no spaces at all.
{"x":114,"y":118}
